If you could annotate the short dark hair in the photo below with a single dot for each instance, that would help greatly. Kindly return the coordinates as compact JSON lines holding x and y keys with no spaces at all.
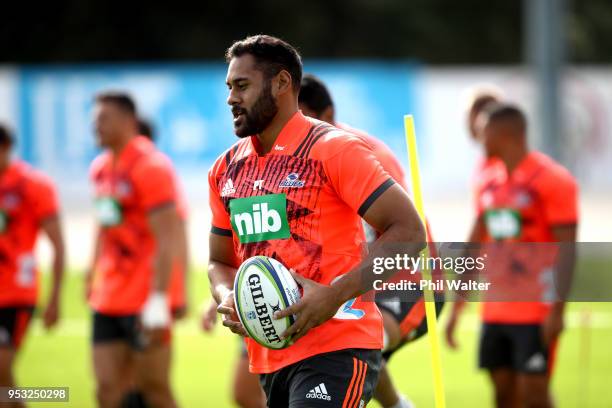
{"x":500,"y":112}
{"x":146,"y":129}
{"x":271,"y":55}
{"x":6,"y":137}
{"x":120,"y":99}
{"x":314,"y":94}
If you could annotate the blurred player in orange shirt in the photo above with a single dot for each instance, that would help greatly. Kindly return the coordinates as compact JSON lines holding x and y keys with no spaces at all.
{"x":534,"y":200}
{"x":28,"y":205}
{"x":135,"y":193}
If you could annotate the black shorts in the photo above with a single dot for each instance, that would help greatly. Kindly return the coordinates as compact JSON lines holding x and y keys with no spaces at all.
{"x":344,"y":378}
{"x":14,"y":322}
{"x":127,"y":328}
{"x":409,"y":315}
{"x":515,"y":346}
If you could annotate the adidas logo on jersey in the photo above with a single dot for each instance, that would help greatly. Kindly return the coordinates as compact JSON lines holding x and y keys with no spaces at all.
{"x":319,"y":392}
{"x":228,"y":188}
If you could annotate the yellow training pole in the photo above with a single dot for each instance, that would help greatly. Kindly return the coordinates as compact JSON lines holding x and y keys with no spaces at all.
{"x":430,"y":306}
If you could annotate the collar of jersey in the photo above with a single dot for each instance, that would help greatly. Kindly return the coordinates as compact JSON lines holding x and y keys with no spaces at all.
{"x":530,"y":163}
{"x":13,"y":171}
{"x":289,"y":137}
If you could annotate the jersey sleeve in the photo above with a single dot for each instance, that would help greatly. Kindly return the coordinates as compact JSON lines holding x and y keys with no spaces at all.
{"x":560,"y":199}
{"x":44,"y":198}
{"x":220,"y":218}
{"x":154,"y":182}
{"x":356,"y":175}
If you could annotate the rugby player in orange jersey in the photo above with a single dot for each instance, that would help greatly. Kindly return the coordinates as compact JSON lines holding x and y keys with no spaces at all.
{"x":535,"y":200}
{"x":28,"y":205}
{"x":317,"y":181}
{"x":135,"y":192}
{"x":404,"y":320}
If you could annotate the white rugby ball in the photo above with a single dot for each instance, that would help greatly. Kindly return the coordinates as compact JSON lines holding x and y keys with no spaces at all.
{"x":263,"y":286}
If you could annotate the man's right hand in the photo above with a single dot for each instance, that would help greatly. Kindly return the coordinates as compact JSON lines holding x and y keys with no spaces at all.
{"x":227,"y":309}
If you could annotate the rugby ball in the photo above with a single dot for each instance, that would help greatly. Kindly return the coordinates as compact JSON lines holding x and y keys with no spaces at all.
{"x":263,"y":286}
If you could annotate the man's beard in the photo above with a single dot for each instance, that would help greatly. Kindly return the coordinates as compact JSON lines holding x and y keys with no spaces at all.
{"x":256,"y":119}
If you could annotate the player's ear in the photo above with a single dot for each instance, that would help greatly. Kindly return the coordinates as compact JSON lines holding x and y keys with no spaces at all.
{"x":283,"y":82}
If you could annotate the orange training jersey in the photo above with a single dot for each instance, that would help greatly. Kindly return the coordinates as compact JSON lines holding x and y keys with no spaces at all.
{"x":127,"y":189}
{"x":27,"y":199}
{"x":301,"y":204}
{"x":487,"y":170}
{"x":382,"y":152}
{"x":524,"y":207}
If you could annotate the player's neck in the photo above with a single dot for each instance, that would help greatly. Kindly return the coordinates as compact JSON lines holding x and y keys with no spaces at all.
{"x":117,"y":148}
{"x":268,"y":137}
{"x":4,"y":165}
{"x":5,"y":161}
{"x":513,"y":157}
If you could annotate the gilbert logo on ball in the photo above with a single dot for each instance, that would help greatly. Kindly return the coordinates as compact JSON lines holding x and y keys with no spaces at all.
{"x":260,"y":218}
{"x":263,"y":286}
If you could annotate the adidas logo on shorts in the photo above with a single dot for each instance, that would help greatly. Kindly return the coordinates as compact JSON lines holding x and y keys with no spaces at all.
{"x":536,"y":362}
{"x":319,"y":392}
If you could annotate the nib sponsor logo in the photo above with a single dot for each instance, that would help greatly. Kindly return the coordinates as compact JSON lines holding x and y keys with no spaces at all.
{"x":319,"y":392}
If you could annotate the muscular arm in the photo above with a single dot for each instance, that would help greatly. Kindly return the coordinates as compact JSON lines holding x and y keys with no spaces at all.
{"x":221,"y":271}
{"x":182,"y":254}
{"x":395,"y":217}
{"x":564,"y":273}
{"x":220,"y":265}
{"x":565,"y":263}
{"x":402,"y":232}
{"x":53,"y":230}
{"x":162,"y":222}
{"x":476,"y":236}
{"x":96,"y":254}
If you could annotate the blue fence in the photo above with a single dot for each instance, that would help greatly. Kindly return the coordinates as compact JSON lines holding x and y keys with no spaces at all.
{"x":187,"y":105}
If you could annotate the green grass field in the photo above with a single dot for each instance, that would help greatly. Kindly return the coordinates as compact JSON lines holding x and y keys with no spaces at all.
{"x":203,"y":363}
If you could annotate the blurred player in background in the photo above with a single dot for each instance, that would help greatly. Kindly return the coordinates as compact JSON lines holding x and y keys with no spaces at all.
{"x":135,"y":191}
{"x":335,"y":179}
{"x":404,"y":321}
{"x":28,"y":205}
{"x":179,"y":300}
{"x":178,"y":282}
{"x":535,"y":199}
{"x":486,"y":167}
